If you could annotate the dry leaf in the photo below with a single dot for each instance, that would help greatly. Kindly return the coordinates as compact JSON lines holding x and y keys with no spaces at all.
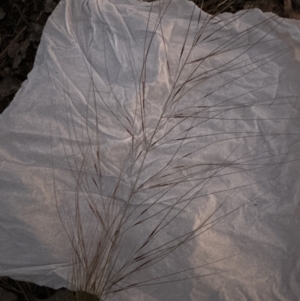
{"x":49,"y":6}
{"x":13,"y":48}
{"x":2,"y":13}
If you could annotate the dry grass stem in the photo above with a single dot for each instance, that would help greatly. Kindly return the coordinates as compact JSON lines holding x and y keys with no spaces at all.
{"x":133,"y":208}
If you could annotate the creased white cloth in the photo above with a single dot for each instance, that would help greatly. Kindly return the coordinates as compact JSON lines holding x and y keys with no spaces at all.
{"x":247,"y":123}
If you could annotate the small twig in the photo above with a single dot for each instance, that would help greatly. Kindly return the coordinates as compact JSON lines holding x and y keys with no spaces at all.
{"x":22,"y":15}
{"x":25,"y":293}
{"x":3,"y":53}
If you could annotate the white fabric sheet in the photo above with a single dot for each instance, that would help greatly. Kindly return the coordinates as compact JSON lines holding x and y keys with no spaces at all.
{"x":243,"y":138}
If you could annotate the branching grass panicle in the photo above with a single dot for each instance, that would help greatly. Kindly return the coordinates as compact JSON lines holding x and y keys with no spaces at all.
{"x":161,"y":153}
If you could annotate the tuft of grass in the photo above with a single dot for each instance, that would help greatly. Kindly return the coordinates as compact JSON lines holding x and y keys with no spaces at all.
{"x":142,"y":176}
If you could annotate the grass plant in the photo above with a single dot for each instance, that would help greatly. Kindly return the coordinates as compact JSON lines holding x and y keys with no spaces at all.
{"x":174,"y":143}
